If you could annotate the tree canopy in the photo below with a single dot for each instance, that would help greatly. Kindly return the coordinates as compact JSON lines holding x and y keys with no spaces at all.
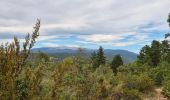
{"x":116,"y":62}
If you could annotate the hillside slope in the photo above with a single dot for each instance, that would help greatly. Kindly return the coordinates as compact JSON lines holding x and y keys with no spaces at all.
{"x":62,"y":52}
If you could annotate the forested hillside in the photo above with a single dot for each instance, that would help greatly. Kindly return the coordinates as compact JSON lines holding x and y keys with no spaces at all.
{"x":63,"y":52}
{"x":78,"y":78}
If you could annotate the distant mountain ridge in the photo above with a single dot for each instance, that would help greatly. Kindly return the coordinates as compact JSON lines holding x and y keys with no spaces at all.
{"x":62,"y":52}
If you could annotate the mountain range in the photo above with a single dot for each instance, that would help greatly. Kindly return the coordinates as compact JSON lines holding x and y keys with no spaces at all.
{"x":62,"y":52}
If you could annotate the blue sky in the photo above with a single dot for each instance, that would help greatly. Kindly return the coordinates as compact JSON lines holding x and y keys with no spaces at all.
{"x":113,"y":24}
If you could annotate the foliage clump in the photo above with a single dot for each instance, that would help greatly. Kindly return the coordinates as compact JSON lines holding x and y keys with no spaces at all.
{"x":116,"y":62}
{"x":12,"y":61}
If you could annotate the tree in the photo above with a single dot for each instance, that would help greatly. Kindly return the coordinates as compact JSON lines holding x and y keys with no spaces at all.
{"x":116,"y":62}
{"x":168,"y":20}
{"x":94,"y":60}
{"x":144,"y":54}
{"x":155,"y":53}
{"x":168,"y":34}
{"x":165,"y":50}
{"x":44,"y":57}
{"x":100,"y":56}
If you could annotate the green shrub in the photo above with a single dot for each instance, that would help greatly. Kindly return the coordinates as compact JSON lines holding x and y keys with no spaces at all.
{"x":130,"y":81}
{"x":144,"y":83}
{"x":161,"y":73}
{"x":140,"y":82}
{"x":159,"y":78}
{"x":166,"y":89}
{"x":131,"y":94}
{"x":121,"y":93}
{"x":113,"y":81}
{"x":13,"y":60}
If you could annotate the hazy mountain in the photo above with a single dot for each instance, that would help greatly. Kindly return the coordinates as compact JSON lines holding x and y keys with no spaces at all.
{"x":62,"y":52}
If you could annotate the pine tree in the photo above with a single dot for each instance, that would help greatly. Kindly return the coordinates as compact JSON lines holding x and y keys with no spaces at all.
{"x":165,"y":50}
{"x":144,"y":56}
{"x":100,"y":56}
{"x":155,"y":53}
{"x":94,"y":60}
{"x":116,"y":62}
{"x":168,"y":20}
{"x":168,"y":34}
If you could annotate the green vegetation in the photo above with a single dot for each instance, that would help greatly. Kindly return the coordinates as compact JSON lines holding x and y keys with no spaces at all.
{"x":98,"y":58}
{"x":116,"y":62}
{"x":80,"y":78}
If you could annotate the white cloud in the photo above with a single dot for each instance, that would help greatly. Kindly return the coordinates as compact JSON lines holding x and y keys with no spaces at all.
{"x":47,"y":44}
{"x":3,"y":41}
{"x":123,"y":43}
{"x":45,"y":38}
{"x":15,"y":29}
{"x":100,"y":38}
{"x":74,"y":46}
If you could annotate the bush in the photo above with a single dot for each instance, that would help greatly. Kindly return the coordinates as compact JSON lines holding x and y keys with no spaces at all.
{"x":131,"y":94}
{"x":13,"y":60}
{"x":134,"y":68}
{"x":158,"y":78}
{"x":140,"y":82}
{"x":161,"y":73}
{"x":166,"y":89}
{"x":144,"y":83}
{"x":122,"y":93}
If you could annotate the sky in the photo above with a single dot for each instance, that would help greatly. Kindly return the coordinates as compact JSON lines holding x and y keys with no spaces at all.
{"x":112,"y":24}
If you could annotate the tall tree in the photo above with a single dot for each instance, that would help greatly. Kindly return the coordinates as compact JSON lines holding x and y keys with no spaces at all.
{"x":165,"y":51}
{"x":144,"y":54}
{"x":155,"y":53}
{"x":116,"y":62}
{"x":100,"y":56}
{"x":94,"y":60}
{"x":168,"y":20}
{"x":168,"y":34}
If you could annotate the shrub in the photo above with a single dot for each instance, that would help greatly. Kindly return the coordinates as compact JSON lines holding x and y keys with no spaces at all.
{"x":161,"y":73}
{"x":144,"y":83}
{"x":121,"y":93}
{"x":13,"y":59}
{"x":166,"y":89}
{"x":131,"y":94}
{"x":140,"y":82}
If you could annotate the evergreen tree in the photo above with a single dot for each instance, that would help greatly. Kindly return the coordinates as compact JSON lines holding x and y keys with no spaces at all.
{"x":144,"y":54}
{"x":94,"y":60}
{"x":155,"y":53}
{"x":44,"y":57}
{"x":168,"y":34}
{"x":168,"y":20}
{"x":116,"y":62}
{"x":165,"y":50}
{"x":100,"y":56}
{"x":93,"y":55}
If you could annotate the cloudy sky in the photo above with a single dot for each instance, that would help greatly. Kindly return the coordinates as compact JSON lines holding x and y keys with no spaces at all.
{"x":113,"y":24}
